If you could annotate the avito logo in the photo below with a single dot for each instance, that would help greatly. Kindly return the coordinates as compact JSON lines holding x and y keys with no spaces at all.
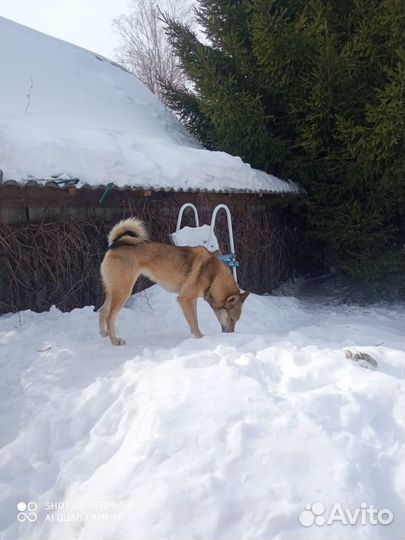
{"x":365,"y":515}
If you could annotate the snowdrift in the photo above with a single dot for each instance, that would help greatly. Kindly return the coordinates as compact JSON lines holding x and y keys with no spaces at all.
{"x":230,"y":436}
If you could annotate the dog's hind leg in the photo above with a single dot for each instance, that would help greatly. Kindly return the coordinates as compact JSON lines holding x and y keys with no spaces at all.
{"x":116,"y":297}
{"x":189,"y":307}
{"x":101,"y":319}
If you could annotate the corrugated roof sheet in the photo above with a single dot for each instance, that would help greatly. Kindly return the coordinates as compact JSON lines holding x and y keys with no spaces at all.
{"x":45,"y":183}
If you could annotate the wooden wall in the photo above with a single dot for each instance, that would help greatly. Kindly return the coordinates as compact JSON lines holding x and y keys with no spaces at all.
{"x":34,"y":203}
{"x":35,"y":221}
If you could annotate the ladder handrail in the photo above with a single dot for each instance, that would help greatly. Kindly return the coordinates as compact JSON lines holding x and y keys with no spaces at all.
{"x":181,"y":211}
{"x":230,"y":229}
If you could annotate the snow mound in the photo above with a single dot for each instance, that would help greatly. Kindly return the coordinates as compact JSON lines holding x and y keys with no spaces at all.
{"x":67,"y":111}
{"x":230,"y":436}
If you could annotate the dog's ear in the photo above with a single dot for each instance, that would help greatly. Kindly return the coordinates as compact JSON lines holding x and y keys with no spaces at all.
{"x":231,"y":301}
{"x":243,"y":296}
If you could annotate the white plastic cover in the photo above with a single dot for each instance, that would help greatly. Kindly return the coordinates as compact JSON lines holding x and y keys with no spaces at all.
{"x":196,"y":236}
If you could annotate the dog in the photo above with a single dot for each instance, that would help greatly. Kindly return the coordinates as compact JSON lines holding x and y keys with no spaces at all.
{"x":191,"y":272}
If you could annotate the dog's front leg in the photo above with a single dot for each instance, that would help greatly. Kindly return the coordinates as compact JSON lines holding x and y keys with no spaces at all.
{"x":189,"y":307}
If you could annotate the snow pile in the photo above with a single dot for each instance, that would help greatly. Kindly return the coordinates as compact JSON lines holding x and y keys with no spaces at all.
{"x":67,"y":111}
{"x":230,"y":436}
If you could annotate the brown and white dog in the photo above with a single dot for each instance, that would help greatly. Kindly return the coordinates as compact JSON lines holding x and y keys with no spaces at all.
{"x":192,"y":272}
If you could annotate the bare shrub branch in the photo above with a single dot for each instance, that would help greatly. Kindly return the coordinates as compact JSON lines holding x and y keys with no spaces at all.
{"x":58,"y":263}
{"x":145,"y":50}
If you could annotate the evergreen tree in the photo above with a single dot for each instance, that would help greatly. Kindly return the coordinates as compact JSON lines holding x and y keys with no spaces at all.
{"x":311,"y":90}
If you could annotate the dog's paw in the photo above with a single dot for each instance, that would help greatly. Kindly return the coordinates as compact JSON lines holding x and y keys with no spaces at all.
{"x":118,"y":341}
{"x":198,"y":335}
{"x":103,"y":333}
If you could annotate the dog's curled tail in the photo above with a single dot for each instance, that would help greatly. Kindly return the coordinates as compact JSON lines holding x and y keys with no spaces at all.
{"x":130,"y":231}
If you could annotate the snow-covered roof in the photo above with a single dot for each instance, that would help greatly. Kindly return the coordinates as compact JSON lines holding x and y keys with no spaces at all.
{"x":67,"y":111}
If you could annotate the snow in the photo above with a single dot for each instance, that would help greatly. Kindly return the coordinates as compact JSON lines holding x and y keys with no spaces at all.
{"x":67,"y":111}
{"x":196,"y":236}
{"x":229,"y":436}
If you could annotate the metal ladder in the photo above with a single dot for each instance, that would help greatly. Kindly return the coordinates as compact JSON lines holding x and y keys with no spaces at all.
{"x":229,"y":259}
